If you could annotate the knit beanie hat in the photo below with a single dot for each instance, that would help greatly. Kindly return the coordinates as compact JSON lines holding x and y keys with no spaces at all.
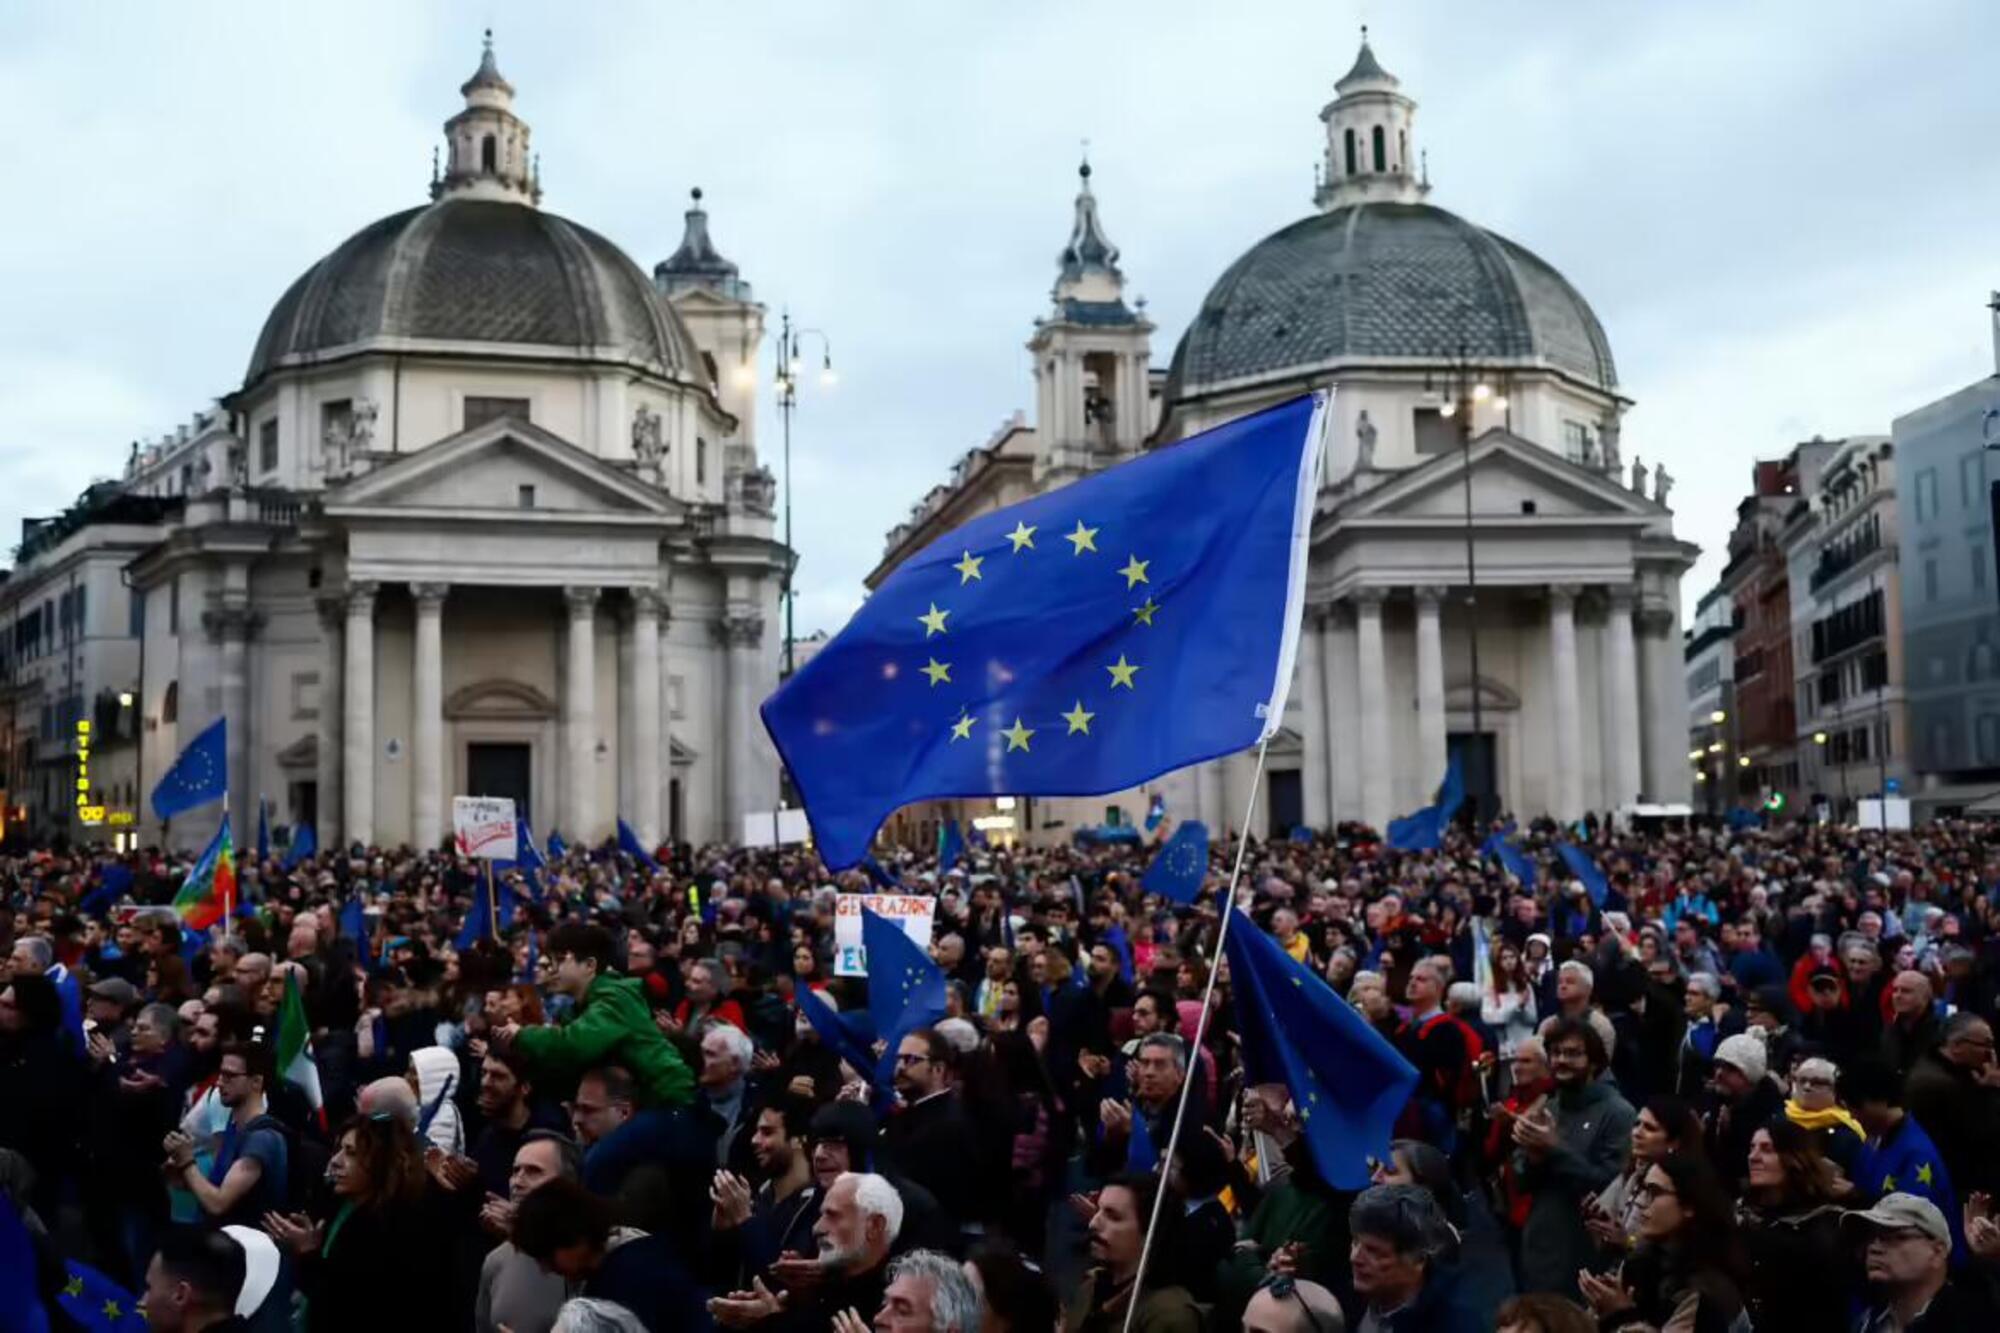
{"x":1744,"y":1052}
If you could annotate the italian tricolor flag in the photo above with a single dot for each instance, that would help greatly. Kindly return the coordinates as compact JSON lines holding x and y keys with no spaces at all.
{"x":295,"y":1051}
{"x":210,"y":888}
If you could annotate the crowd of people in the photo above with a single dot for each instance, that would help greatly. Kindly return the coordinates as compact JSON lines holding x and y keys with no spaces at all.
{"x":1747,"y":1083}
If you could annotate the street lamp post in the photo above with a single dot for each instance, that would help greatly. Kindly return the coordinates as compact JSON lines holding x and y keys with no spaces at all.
{"x":786,"y":381}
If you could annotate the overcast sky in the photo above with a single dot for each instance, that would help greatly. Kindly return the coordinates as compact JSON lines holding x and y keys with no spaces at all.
{"x":1783,"y":212}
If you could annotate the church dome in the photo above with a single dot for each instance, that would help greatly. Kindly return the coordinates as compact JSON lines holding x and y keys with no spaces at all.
{"x":471,"y":270}
{"x":1408,"y":281}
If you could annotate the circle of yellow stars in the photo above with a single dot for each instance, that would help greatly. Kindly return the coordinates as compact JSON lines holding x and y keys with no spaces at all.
{"x":1121,"y":675}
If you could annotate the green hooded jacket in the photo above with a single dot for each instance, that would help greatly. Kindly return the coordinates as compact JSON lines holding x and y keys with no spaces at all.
{"x":612,"y":1026}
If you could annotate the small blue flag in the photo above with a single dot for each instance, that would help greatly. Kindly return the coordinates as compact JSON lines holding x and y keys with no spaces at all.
{"x":114,"y":881}
{"x":1585,"y":870}
{"x":558,"y":849}
{"x":97,"y":1303}
{"x":69,"y":999}
{"x":1182,"y":865}
{"x":1423,"y":831}
{"x":851,"y":1037}
{"x":951,"y":845}
{"x":1512,"y":859}
{"x":199,"y":776}
{"x":905,"y":989}
{"x":1087,"y":640}
{"x":263,"y":831}
{"x":628,"y":843}
{"x":352,"y":921}
{"x":21,"y":1309}
{"x":479,"y":921}
{"x":1140,"y":1154}
{"x":1120,"y":945}
{"x":1347,"y":1082}
{"x":305,"y":842}
{"x":1156,"y":812}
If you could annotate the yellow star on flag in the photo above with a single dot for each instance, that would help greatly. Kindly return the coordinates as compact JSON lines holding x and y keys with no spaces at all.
{"x":1078,"y":719}
{"x":73,"y":1287}
{"x":1022,"y":536}
{"x":1143,"y":615}
{"x":1083,"y":539}
{"x":961,"y":730}
{"x":968,"y":568}
{"x":1924,"y":1174}
{"x":1121,"y":672}
{"x":933,"y":620}
{"x":1017,"y":735}
{"x":939,"y":672}
{"x":111,"y":1310}
{"x":1888,"y":1184}
{"x":1134,"y":571}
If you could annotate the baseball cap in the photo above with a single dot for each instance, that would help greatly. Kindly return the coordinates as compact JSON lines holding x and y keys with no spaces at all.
{"x":1902,"y":1212}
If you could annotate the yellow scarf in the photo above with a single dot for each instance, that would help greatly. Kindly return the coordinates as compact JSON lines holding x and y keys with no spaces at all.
{"x":1832,"y":1115}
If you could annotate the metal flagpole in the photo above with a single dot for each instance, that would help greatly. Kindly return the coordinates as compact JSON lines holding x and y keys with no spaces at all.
{"x":1194,"y":1047}
{"x":228,"y":894}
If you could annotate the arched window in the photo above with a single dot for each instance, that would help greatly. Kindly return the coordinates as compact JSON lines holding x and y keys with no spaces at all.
{"x":488,"y":156}
{"x":700,"y":462}
{"x":170,"y":703}
{"x":1350,"y":152}
{"x":1381,"y":142}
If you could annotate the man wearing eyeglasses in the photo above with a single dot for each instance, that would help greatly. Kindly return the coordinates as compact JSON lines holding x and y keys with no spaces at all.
{"x":930,"y":1139}
{"x":247,"y":1177}
{"x":1954,"y":1091}
{"x":1907,"y":1250}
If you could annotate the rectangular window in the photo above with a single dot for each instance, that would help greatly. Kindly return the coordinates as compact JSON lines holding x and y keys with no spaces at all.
{"x":1978,"y":551}
{"x":135,"y":623}
{"x":267,"y":446}
{"x":1927,"y":494}
{"x":76,"y":612}
{"x":1434,"y":431}
{"x":1577,"y":442}
{"x":479,"y":411}
{"x":525,"y":497}
{"x":1972,"y":479}
{"x":305,"y":696}
{"x":1874,"y":671}
{"x":1930,"y":581}
{"x":676,"y":696}
{"x":174,"y":607}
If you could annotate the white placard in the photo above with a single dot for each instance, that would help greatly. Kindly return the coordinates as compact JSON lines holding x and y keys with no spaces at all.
{"x":914,"y":912}
{"x":483,"y":827}
{"x":791,"y":828}
{"x":1869,"y":812}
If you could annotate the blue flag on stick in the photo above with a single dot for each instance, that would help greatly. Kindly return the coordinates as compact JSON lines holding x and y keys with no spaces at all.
{"x":1346,"y":1081}
{"x":1083,"y":641}
{"x":1156,"y":812}
{"x":628,"y":843}
{"x":97,"y":1303}
{"x":479,"y":922}
{"x":305,"y":842}
{"x":558,"y":849}
{"x":1512,"y":859}
{"x":1585,"y":870}
{"x":21,"y":1309}
{"x":1182,"y":865}
{"x":199,"y":776}
{"x":905,"y":989}
{"x":1424,"y":830}
{"x":951,"y":845}
{"x":352,"y":921}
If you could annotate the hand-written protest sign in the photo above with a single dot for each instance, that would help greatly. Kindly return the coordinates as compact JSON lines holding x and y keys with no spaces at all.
{"x":913,"y":912}
{"x":483,"y":827}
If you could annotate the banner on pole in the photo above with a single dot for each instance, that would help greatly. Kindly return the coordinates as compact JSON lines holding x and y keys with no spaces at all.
{"x":484,"y":827}
{"x":911,"y":911}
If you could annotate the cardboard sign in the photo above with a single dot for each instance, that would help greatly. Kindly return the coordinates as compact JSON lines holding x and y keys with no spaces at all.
{"x":483,"y":827}
{"x":913,"y":912}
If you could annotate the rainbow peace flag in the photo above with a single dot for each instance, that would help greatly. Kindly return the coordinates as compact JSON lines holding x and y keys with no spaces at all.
{"x":210,"y":888}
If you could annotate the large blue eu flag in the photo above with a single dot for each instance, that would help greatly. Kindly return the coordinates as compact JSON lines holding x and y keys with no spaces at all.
{"x":199,"y":776}
{"x":1083,"y":641}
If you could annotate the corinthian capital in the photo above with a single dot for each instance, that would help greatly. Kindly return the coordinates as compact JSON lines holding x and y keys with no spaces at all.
{"x":740,"y":630}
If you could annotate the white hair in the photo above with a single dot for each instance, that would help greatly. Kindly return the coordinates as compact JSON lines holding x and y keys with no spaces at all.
{"x":584,"y":1315}
{"x":1579,"y":969}
{"x":1463,"y":993}
{"x":1815,"y":1066}
{"x":740,"y":1047}
{"x":1707,"y":983}
{"x":954,"y":1304}
{"x":876,"y":1197}
{"x":959,"y":1032}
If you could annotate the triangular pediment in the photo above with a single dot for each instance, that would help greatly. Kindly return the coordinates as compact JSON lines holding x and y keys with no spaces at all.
{"x":484,"y":469}
{"x":1511,"y":479}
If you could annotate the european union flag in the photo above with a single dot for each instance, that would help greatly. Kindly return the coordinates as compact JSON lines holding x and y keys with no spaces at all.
{"x":905,"y":989}
{"x":951,"y":845}
{"x":1156,"y":812}
{"x":479,"y":921}
{"x":97,"y":1303}
{"x":1512,"y":859}
{"x":628,"y":843}
{"x":558,"y":849}
{"x":1140,"y":1154}
{"x":305,"y":842}
{"x":352,"y":920}
{"x":21,"y":1309}
{"x":1346,"y":1081}
{"x":1585,"y":869}
{"x":199,"y":776}
{"x":1424,"y":830}
{"x":1182,"y":865}
{"x":1083,"y":641}
{"x":850,"y":1037}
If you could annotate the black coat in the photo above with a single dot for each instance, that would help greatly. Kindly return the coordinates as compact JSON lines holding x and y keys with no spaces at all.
{"x":392,"y":1257}
{"x":934,"y":1143}
{"x":1798,"y":1269}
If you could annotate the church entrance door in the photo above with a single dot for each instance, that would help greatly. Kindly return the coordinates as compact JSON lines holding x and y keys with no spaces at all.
{"x":1474,"y":755}
{"x":499,"y":768}
{"x":1288,"y":802}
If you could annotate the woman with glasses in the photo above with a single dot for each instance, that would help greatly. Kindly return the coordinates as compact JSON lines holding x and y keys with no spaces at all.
{"x":1686,"y":1274}
{"x":382,"y":1240}
{"x":1791,"y":1234}
{"x":1664,"y":1125}
{"x":1815,"y":1108}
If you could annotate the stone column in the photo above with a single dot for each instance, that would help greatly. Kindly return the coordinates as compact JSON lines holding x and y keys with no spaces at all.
{"x":358,"y":731}
{"x":229,"y":627}
{"x":1623,"y":749}
{"x":579,"y":718}
{"x":326,"y":815}
{"x":1372,"y":671}
{"x":1430,"y":690}
{"x":1317,"y":794}
{"x":741,"y":632}
{"x":1663,"y":703}
{"x":642,"y":729}
{"x":663,"y":753}
{"x":1343,"y":719}
{"x":427,"y":719}
{"x":626,"y":784}
{"x":1566,"y":787}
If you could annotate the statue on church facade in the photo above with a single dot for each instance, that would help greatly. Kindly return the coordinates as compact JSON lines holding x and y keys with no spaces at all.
{"x":1608,"y":436}
{"x":648,"y":442}
{"x":1364,"y":443}
{"x":1638,"y":475}
{"x":1662,"y":483}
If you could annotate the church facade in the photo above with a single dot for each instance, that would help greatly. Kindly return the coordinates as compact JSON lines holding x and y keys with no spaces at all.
{"x":485,"y":516}
{"x":1493,"y":580}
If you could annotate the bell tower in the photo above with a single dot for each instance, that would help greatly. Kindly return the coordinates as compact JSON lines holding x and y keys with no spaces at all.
{"x":487,"y":144}
{"x":1371,"y":152}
